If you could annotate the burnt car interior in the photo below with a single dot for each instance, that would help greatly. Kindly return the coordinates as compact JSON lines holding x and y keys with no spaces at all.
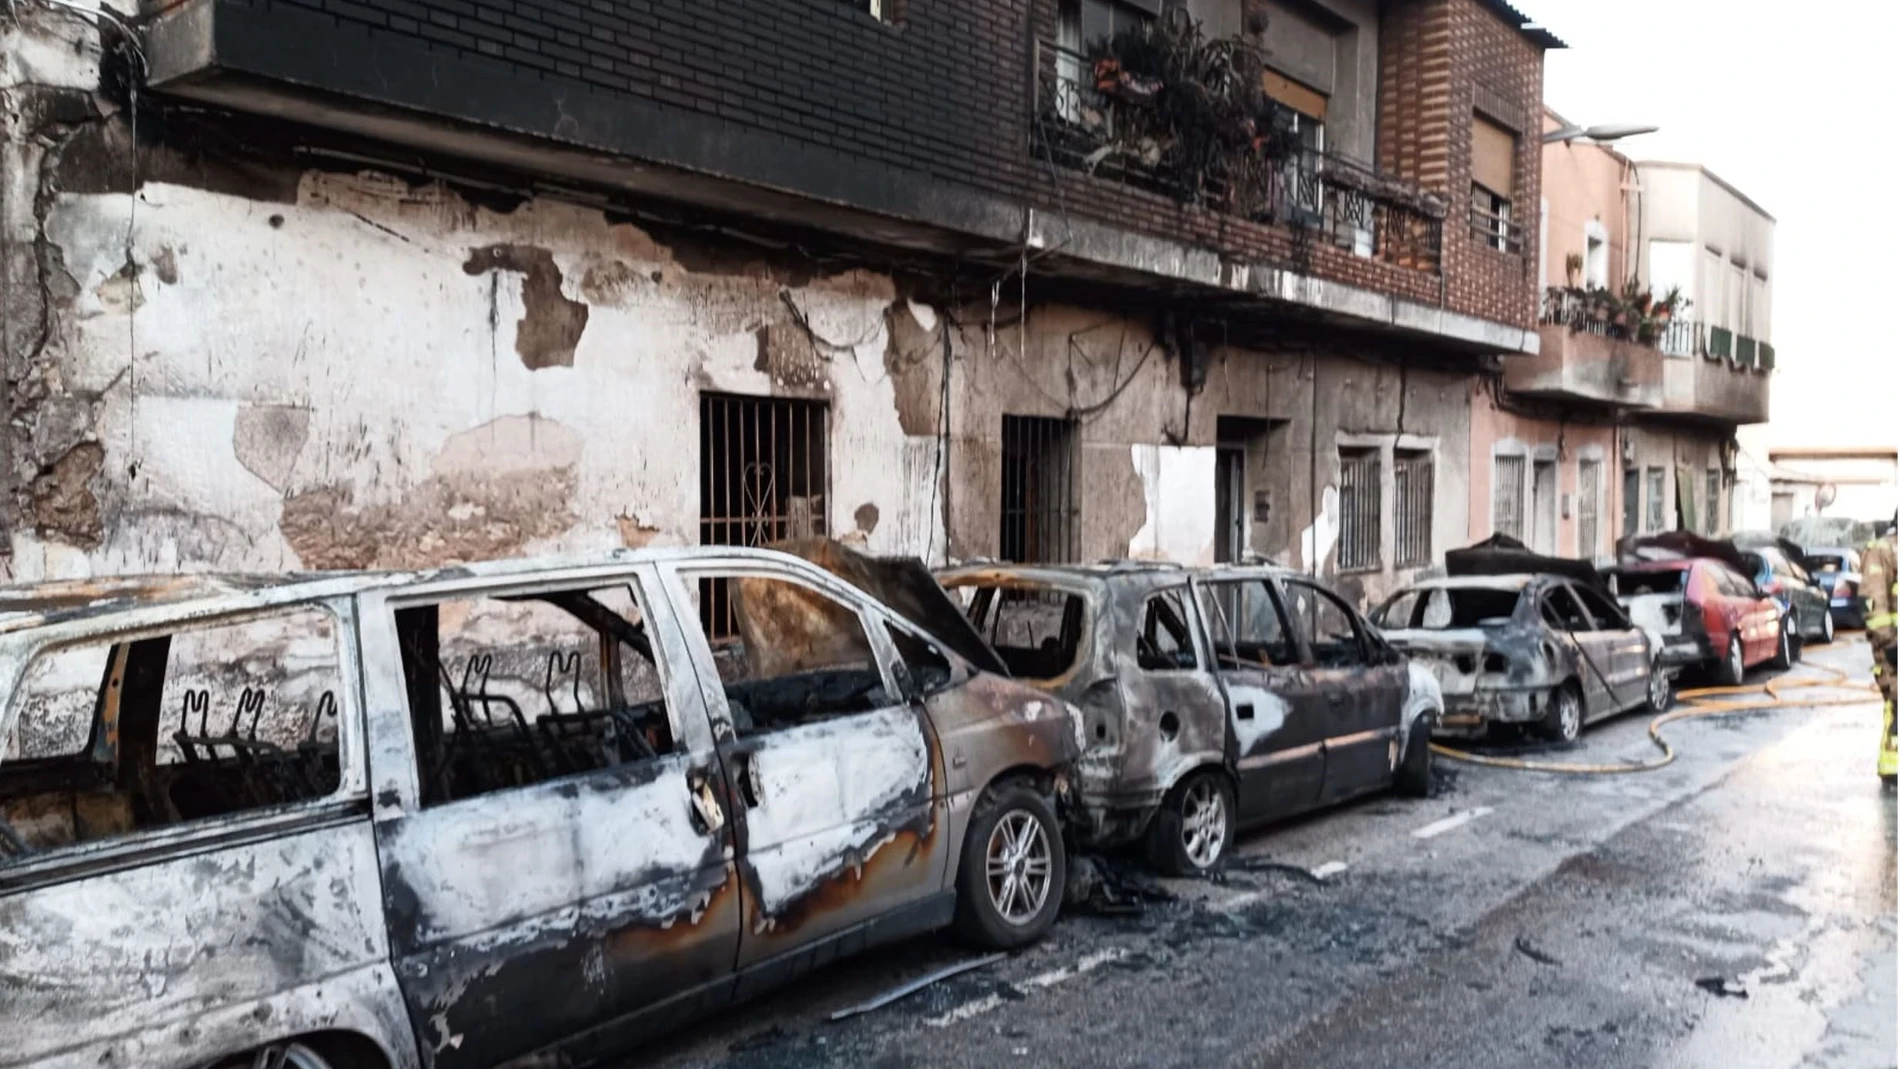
{"x":1448,"y":608}
{"x":1245,"y":623}
{"x":1037,"y":633}
{"x":512,"y":690}
{"x":1164,"y":642}
{"x":796,"y":656}
{"x":1632,"y":583}
{"x":201,"y":723}
{"x":1327,"y":626}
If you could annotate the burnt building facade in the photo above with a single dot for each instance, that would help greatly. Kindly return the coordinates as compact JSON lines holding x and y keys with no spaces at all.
{"x":392,"y":283}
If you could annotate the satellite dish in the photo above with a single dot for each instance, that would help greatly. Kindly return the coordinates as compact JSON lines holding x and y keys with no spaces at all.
{"x":1824,"y":496}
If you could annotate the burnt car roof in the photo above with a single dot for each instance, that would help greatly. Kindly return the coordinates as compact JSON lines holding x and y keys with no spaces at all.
{"x":1477,"y":582}
{"x":1680,"y":545}
{"x":1504,"y":555}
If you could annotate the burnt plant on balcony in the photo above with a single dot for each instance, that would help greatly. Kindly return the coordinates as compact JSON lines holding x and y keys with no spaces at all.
{"x":1192,"y":112}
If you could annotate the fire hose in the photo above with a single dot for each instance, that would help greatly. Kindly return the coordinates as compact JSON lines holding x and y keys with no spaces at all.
{"x":1696,"y":703}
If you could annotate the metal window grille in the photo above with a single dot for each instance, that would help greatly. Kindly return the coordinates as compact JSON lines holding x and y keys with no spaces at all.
{"x":762,"y":479}
{"x":1655,"y":515}
{"x":1589,"y":504}
{"x":1412,"y":508}
{"x":1038,"y":489}
{"x":1713,"y":517}
{"x":1358,"y":510}
{"x":1632,"y":499}
{"x":1507,"y":496}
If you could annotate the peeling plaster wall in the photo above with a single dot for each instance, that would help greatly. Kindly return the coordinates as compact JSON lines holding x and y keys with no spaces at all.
{"x":1571,"y":443}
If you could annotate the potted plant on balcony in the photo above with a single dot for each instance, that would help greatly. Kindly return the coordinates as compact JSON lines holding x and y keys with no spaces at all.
{"x":1573,"y":269}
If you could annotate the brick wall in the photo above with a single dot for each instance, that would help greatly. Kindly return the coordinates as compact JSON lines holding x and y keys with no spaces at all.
{"x":943,"y":88}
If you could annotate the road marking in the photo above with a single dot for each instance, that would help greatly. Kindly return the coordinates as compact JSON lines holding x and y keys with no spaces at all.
{"x":1329,"y":870}
{"x":977,"y":1007}
{"x":1456,"y":820}
{"x":1242,"y":900}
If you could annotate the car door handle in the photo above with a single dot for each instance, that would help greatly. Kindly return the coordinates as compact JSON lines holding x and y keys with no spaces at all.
{"x":707,"y":815}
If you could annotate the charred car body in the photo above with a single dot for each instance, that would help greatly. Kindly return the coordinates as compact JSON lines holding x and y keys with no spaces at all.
{"x":1211,"y":698}
{"x":515,"y":810}
{"x":1695,"y":595}
{"x":1521,"y":640}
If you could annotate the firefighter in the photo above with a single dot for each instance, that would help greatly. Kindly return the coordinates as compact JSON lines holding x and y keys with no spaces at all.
{"x":1880,"y":586}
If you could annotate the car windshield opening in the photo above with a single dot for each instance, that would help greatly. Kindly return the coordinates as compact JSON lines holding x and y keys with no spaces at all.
{"x":1036,"y":631}
{"x":1630,"y":584}
{"x":1448,"y":608}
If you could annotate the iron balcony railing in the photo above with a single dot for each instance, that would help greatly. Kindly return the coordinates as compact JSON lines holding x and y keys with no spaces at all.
{"x":1075,"y":125}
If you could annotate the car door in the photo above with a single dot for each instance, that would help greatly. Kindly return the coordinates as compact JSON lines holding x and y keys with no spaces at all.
{"x":1626,"y":650}
{"x":557,"y":863}
{"x":1573,"y":628}
{"x":834,"y":765}
{"x":1805,"y":594}
{"x":1756,"y":616}
{"x":1362,"y":690}
{"x":1277,"y":712}
{"x":1177,"y":715}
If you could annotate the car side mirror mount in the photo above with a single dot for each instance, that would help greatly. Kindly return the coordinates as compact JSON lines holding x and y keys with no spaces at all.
{"x":906,"y":683}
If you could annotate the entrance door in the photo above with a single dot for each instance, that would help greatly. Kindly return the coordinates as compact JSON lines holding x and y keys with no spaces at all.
{"x":1363,"y":694}
{"x":1230,"y":514}
{"x":555,"y":857}
{"x":1544,"y":506}
{"x":1277,"y":717}
{"x":833,"y":765}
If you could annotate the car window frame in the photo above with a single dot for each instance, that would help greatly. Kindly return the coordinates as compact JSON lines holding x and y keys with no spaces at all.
{"x":1203,"y":586}
{"x":152,"y":845}
{"x":1587,"y":620}
{"x":1619,"y":621}
{"x":1367,"y":647}
{"x":1190,"y":625}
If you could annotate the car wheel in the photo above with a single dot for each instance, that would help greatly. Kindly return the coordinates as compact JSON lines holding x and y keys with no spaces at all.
{"x":1013,"y":872}
{"x":1730,"y":672}
{"x":1658,"y":687}
{"x":1414,"y":776}
{"x":1563,"y":715}
{"x":1194,"y":827}
{"x":1827,"y":627}
{"x":278,"y":1056}
{"x":1785,"y":652}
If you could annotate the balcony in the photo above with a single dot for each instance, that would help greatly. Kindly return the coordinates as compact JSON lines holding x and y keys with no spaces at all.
{"x":1715,"y":389}
{"x":1582,"y":360}
{"x":1113,"y":128}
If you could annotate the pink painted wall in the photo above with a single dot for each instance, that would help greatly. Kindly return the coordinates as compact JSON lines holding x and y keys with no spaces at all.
{"x":1583,"y":182}
{"x":1569,"y":443}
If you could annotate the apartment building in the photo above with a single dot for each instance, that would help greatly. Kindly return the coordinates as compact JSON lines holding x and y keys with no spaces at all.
{"x":1625,"y":419}
{"x":317,"y":283}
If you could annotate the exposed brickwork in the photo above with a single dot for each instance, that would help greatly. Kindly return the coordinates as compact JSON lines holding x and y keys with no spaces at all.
{"x":944,"y":88}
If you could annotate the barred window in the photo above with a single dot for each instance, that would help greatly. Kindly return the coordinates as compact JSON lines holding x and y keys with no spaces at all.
{"x":1713,"y":521}
{"x":1632,"y":499}
{"x":1038,"y":489}
{"x":1412,"y":507}
{"x":1589,"y":505}
{"x":762,"y":478}
{"x":1358,"y":510}
{"x":1655,"y":514}
{"x":1507,"y":496}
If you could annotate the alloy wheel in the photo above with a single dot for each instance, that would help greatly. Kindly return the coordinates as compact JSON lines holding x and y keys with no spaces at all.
{"x":1569,"y":715}
{"x":1658,"y":687}
{"x":1018,"y":864}
{"x":1203,"y":822}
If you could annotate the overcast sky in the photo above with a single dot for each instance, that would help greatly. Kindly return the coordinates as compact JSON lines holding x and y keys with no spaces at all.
{"x":1794,"y":105}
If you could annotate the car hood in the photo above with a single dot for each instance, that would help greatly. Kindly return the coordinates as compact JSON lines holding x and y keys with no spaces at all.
{"x":906,"y":586}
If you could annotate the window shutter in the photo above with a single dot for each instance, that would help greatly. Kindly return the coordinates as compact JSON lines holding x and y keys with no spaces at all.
{"x":1493,"y":153}
{"x":1308,"y":102}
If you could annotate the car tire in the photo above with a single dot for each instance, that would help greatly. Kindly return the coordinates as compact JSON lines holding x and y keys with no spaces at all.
{"x":292,"y":1055}
{"x":1012,"y":828}
{"x":1413,"y":778}
{"x":1658,"y":696}
{"x":1787,"y":649}
{"x":1194,"y":828}
{"x":1732,"y":667}
{"x":1563,"y":715}
{"x":1827,"y":627}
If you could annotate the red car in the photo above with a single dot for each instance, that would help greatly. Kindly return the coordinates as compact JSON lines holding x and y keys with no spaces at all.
{"x":1706,"y":614}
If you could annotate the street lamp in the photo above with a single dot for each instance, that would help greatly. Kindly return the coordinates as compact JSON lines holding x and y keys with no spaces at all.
{"x":1600,"y":133}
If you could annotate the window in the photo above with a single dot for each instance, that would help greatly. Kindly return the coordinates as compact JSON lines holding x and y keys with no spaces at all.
{"x":1493,"y":165}
{"x":1244,"y":621}
{"x":1632,"y":499}
{"x":1596,"y":254}
{"x":1326,"y":624}
{"x":1037,"y":633}
{"x":930,"y":671}
{"x":1609,"y":616}
{"x":1412,"y":507}
{"x":1165,"y":642}
{"x":801,"y":657}
{"x":1712,"y":519}
{"x":1038,"y":489}
{"x":1082,"y":23}
{"x":1507,"y":496}
{"x":209,"y":721}
{"x":1655,"y":515}
{"x":1358,"y":510}
{"x":1544,"y":506}
{"x":1731,"y":583}
{"x":762,"y":479}
{"x":1562,"y":611}
{"x":1589,"y":507}
{"x":509,"y":690}
{"x":1447,"y":608}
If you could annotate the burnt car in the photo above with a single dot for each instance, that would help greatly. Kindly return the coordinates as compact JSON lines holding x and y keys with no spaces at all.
{"x":1212,"y":699}
{"x":1837,"y":571}
{"x":1780,"y":570}
{"x":507,"y":812}
{"x":1694,"y":594}
{"x":1517,"y":640}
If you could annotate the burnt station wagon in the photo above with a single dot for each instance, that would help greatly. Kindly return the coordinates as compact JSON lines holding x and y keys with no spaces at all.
{"x":522,"y":809}
{"x":1211,"y":698}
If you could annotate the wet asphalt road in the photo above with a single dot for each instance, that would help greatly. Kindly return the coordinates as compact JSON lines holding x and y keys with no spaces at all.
{"x":1513,"y":919}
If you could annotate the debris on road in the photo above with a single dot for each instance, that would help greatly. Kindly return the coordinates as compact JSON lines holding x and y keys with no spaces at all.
{"x":905,"y":990}
{"x":759,"y":1040}
{"x":1109,"y":889}
{"x":1317,"y":875}
{"x":1723,"y":986}
{"x":1524,"y":946}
